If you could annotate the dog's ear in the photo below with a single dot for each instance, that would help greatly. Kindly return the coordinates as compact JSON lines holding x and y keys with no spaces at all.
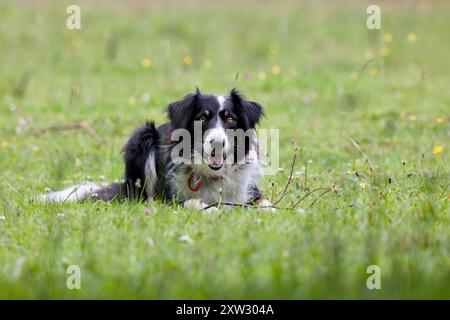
{"x":180,"y":112}
{"x":250,"y":111}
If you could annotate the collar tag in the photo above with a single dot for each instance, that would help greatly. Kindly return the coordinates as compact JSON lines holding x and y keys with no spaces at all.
{"x":194,"y":182}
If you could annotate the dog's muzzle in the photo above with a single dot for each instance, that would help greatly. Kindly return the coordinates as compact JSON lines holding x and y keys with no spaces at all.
{"x":216,"y":147}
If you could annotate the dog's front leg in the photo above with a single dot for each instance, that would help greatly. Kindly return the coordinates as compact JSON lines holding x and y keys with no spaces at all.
{"x":197,"y":204}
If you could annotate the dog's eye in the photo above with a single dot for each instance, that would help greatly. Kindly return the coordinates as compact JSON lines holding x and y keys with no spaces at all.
{"x":203,"y":117}
{"x":230,"y":120}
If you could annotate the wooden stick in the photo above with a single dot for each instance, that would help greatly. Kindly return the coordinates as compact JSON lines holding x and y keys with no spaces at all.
{"x":83,"y":125}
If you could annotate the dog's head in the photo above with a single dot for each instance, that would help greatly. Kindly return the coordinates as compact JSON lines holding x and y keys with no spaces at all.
{"x":227,"y":126}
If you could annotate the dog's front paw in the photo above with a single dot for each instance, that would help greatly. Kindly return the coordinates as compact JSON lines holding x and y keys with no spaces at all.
{"x":198,"y":204}
{"x":265,"y":205}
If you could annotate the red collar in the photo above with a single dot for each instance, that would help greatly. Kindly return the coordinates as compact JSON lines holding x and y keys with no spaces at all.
{"x":194,"y":182}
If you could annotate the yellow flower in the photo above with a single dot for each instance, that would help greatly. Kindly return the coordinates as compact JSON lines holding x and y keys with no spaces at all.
{"x":357,"y":161}
{"x":276,"y":69}
{"x":146,"y":62}
{"x":439,"y":120}
{"x":388,"y":37}
{"x":187,"y":59}
{"x":412,"y":118}
{"x":3,"y":144}
{"x":412,"y":37}
{"x":131,"y":100}
{"x":384,"y":51}
{"x":437,"y":150}
{"x":354,"y":75}
{"x":373,"y":72}
{"x":262,"y":76}
{"x":207,"y":63}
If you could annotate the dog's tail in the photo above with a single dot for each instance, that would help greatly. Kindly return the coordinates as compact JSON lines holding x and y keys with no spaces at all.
{"x":140,"y":155}
{"x":87,"y":190}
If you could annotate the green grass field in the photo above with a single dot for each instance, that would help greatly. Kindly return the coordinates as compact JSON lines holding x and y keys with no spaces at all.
{"x":324,"y":79}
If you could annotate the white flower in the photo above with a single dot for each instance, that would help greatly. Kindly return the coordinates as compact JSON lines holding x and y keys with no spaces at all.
{"x":186,"y":238}
{"x":146,"y":97}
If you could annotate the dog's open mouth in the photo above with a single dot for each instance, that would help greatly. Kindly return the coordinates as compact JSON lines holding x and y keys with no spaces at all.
{"x":215,"y":161}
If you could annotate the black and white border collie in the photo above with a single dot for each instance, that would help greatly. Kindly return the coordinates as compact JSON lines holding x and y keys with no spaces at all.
{"x":227,"y":167}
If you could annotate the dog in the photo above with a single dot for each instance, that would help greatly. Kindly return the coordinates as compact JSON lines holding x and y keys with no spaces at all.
{"x":165,"y":163}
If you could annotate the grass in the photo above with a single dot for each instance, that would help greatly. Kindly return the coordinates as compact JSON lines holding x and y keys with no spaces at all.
{"x":311,"y":66}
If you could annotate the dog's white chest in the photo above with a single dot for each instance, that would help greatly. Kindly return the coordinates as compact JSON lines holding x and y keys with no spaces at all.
{"x":234,"y":186}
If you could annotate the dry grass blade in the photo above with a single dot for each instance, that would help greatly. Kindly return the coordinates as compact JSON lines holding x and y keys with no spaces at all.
{"x":307,"y":195}
{"x":320,"y":196}
{"x":362,"y":152}
{"x":288,"y":182}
